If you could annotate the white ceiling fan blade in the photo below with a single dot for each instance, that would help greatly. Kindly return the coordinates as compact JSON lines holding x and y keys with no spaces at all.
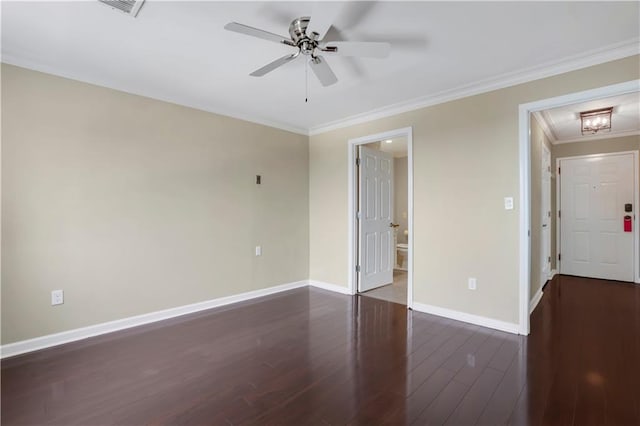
{"x":322,"y":17}
{"x":322,"y":70}
{"x":273,"y":65}
{"x":357,"y":48}
{"x":255,"y":32}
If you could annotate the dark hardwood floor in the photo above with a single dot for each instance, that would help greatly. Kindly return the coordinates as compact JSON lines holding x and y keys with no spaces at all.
{"x":309,"y":357}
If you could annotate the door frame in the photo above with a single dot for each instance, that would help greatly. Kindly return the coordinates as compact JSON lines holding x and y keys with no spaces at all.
{"x":636,"y":198}
{"x":406,"y":132}
{"x":524,"y":147}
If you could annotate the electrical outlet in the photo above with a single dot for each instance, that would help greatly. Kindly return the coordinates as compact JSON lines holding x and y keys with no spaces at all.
{"x":258,"y":251}
{"x":472,"y":283}
{"x":57,"y":297}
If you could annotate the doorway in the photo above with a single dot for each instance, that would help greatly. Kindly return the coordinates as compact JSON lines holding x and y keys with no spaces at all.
{"x":590,"y":99}
{"x":381,"y":216}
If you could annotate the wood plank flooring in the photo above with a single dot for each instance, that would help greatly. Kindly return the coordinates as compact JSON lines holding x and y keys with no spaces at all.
{"x":310,"y":357}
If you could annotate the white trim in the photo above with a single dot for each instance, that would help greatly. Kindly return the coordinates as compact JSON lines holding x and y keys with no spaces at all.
{"x":177,"y":100}
{"x":524,"y":132}
{"x":509,"y":327}
{"x":536,"y":299}
{"x":598,"y":136}
{"x":330,"y":287}
{"x":594,"y":57}
{"x":525,"y":218}
{"x":406,"y":132}
{"x":636,"y":201}
{"x":47,"y":341}
{"x":598,"y":56}
{"x":558,"y":175}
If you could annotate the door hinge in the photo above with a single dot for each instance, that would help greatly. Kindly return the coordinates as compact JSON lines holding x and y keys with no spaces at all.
{"x":549,"y":261}
{"x":558,"y":170}
{"x":559,"y":214}
{"x":549,"y":213}
{"x":358,"y":215}
{"x":357,"y":268}
{"x":357,"y":162}
{"x":559,"y":257}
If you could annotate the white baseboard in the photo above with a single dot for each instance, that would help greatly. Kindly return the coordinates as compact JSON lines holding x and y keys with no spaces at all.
{"x":47,"y":341}
{"x":536,"y":299}
{"x":331,"y":287}
{"x":469,"y":318}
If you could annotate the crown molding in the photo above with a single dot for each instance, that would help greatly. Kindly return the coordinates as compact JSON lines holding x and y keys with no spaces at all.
{"x":598,"y":56}
{"x":594,"y":57}
{"x":34,"y":66}
{"x":544,"y":124}
{"x":596,"y":137}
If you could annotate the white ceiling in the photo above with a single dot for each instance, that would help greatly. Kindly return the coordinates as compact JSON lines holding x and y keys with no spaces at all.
{"x":396,"y":146}
{"x":562,"y":124}
{"x":178,"y":51}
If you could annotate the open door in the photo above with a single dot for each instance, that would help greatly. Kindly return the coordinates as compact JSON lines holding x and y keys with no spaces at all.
{"x":545,"y":240}
{"x":375,"y":224}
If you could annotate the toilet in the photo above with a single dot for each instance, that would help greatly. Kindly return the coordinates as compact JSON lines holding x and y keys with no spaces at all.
{"x":402,"y":251}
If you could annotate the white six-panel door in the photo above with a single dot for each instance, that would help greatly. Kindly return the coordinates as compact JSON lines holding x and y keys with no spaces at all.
{"x":376,"y":214}
{"x":545,"y":240}
{"x":593,"y":194}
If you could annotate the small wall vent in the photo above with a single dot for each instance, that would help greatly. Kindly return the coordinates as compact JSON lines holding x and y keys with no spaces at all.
{"x":130,"y":7}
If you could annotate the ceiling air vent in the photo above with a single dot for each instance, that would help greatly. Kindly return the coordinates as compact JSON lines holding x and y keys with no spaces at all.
{"x":130,"y":7}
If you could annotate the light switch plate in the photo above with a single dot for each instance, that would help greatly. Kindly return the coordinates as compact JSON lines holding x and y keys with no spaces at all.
{"x":258,"y":251}
{"x":508,"y":203}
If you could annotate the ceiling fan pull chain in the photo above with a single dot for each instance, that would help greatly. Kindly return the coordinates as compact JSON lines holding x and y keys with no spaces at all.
{"x":306,"y":81}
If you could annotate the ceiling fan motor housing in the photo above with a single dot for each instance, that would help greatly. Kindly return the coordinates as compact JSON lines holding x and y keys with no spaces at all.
{"x":298,"y":33}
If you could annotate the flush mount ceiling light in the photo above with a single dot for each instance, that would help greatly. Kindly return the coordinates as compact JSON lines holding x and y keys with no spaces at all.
{"x":596,"y":120}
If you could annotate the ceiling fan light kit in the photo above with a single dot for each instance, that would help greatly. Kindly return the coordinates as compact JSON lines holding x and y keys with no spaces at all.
{"x":306,"y":35}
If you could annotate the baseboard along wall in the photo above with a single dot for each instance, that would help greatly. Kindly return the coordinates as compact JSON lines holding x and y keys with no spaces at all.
{"x":43,"y":342}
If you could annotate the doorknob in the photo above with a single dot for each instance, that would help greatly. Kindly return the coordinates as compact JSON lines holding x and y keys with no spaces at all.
{"x":393,"y":225}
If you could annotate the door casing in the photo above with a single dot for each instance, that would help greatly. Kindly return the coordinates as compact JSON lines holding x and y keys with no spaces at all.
{"x":406,"y":132}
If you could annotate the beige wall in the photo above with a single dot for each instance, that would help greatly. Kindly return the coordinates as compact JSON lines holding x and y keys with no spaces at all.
{"x":132,"y":205}
{"x":538,"y":139}
{"x":401,"y":203}
{"x":465,"y":162}
{"x":599,"y":146}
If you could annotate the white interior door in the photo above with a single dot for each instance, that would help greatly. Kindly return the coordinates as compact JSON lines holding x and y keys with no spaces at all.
{"x":594,"y":192}
{"x":375,"y":209}
{"x":545,"y":236}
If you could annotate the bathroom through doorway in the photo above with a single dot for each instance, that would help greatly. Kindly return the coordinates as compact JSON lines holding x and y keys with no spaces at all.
{"x":382,"y":213}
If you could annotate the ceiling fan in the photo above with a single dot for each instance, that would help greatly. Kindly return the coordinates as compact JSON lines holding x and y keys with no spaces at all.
{"x":307,"y":34}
